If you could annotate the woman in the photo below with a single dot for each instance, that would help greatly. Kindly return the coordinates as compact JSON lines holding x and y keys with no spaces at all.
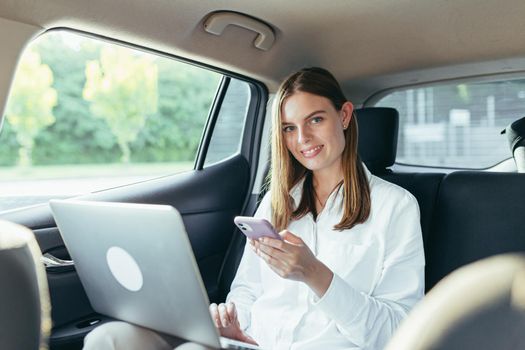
{"x":351,"y":263}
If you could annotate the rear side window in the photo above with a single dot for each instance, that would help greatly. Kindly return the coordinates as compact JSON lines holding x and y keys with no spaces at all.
{"x":456,"y":125}
{"x":227,"y":134}
{"x":85,"y":115}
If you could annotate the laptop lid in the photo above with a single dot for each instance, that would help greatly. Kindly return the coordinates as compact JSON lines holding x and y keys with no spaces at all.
{"x":136,"y":264}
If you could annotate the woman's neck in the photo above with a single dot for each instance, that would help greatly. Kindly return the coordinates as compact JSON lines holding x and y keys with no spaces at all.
{"x":325,"y":182}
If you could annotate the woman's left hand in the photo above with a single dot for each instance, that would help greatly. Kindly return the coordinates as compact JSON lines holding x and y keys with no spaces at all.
{"x":291,"y":258}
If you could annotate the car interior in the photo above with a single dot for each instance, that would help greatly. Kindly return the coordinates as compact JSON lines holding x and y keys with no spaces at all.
{"x":391,"y":58}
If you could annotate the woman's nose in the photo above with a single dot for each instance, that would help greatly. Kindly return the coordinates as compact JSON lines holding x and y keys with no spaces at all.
{"x":303,"y":136}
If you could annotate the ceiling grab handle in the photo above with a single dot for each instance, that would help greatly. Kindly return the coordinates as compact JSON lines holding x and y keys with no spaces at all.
{"x":218,"y":21}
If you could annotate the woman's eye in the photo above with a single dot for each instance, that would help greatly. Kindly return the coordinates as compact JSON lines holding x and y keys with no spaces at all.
{"x":288,"y":128}
{"x":316,"y":120}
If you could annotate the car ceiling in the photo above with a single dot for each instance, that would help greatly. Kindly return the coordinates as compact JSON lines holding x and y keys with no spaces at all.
{"x":370,"y":45}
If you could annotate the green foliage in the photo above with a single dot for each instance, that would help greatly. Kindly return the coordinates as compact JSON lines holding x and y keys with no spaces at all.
{"x":185,"y":97}
{"x":30,"y":103}
{"x":9,"y":145}
{"x":122,"y":90}
{"x":172,"y":133}
{"x":76,"y":137}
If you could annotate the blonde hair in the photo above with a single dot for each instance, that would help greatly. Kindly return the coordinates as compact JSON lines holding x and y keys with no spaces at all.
{"x":286,"y":171}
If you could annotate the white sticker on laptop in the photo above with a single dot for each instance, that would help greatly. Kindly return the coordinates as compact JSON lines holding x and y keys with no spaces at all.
{"x":124,"y":268}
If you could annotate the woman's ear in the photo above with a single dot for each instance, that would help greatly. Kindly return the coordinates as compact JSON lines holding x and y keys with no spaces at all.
{"x":347,"y":111}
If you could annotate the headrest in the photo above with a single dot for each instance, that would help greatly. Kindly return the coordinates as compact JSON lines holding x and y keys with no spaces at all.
{"x":25,"y":320}
{"x":515,"y":133}
{"x":478,"y":306}
{"x":377,"y":140}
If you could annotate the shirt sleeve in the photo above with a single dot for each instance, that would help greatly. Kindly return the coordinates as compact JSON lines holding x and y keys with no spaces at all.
{"x":246,"y":286}
{"x":370,"y":320}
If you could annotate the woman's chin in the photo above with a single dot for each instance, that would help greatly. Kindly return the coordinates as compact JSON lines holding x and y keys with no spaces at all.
{"x":312,"y":166}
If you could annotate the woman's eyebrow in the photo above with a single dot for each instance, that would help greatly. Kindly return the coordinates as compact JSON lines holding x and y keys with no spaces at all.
{"x":307,"y":116}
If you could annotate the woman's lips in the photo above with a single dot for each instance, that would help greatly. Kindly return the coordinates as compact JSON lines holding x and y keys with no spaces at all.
{"x":312,"y":152}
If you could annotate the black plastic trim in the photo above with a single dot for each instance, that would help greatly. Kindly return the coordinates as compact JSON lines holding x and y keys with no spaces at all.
{"x":210,"y":123}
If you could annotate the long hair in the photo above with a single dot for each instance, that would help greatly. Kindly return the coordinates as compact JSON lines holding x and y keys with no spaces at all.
{"x":286,"y":171}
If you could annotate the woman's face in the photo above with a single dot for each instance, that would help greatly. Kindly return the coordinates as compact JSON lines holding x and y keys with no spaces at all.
{"x":313,"y":130}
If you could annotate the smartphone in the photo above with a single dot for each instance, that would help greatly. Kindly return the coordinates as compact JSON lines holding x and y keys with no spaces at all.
{"x":255,"y":228}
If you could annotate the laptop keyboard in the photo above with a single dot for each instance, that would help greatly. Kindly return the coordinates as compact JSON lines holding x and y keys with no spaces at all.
{"x":227,"y":343}
{"x":237,"y":347}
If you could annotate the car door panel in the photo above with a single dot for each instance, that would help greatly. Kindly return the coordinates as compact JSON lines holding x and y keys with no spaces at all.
{"x":207,"y":199}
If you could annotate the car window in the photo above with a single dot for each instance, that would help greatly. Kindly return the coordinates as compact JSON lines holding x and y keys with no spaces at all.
{"x":85,"y":115}
{"x":456,"y":125}
{"x":227,"y":134}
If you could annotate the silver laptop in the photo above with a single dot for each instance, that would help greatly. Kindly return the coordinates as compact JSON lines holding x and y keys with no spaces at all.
{"x":136,"y":264}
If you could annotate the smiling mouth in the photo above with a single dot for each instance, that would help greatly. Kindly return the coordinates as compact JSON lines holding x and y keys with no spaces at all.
{"x":312,"y":152}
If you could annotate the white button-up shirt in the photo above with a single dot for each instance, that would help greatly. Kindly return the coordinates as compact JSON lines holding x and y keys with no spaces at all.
{"x":378,"y":271}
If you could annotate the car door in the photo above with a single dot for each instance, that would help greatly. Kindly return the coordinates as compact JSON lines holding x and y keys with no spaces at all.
{"x":208,"y":196}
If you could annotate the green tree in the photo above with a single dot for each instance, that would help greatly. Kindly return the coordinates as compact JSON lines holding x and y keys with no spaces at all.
{"x":122,"y":89}
{"x":172,"y":134}
{"x":9,"y":145}
{"x":185,"y":96}
{"x":76,"y":137}
{"x":30,"y":107}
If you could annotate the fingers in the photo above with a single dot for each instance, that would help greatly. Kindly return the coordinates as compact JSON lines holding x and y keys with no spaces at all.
{"x":291,"y":238}
{"x":223,"y":315}
{"x":220,"y":315}
{"x":274,"y":257}
{"x":231,"y":311}
{"x":214,"y":311}
{"x":275,"y":264}
{"x":271,"y":251}
{"x":272,"y":242}
{"x":288,"y":242}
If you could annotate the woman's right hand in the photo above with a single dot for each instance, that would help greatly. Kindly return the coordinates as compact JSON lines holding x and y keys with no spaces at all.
{"x":225,"y":318}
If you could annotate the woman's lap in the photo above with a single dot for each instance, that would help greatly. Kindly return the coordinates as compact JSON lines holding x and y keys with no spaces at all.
{"x":121,"y":335}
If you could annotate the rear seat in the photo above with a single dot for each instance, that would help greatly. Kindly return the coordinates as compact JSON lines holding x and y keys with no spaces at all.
{"x":479,"y":214}
{"x":378,"y":129}
{"x":465,"y":215}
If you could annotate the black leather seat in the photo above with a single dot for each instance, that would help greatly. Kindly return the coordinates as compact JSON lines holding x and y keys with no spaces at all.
{"x":478,"y":214}
{"x":378,"y":128}
{"x":377,"y":140}
{"x":25,"y":320}
{"x":465,"y":215}
{"x":468,"y":219}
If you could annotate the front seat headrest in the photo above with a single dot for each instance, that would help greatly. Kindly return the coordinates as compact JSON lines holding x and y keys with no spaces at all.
{"x":25,"y":320}
{"x":515,"y":133}
{"x":516,"y":137}
{"x":479,"y":306}
{"x":377,"y":141}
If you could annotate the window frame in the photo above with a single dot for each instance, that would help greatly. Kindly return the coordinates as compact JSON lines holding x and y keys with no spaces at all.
{"x":249,"y":143}
{"x":258,"y":91}
{"x":372,"y":100}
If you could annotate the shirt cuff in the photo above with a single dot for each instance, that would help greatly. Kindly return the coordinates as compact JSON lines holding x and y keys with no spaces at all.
{"x":338,"y":299}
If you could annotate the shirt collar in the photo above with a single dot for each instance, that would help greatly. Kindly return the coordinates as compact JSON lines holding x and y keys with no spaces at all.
{"x":297,"y":191}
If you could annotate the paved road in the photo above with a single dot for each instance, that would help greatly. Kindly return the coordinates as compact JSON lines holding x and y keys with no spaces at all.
{"x":16,"y":194}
